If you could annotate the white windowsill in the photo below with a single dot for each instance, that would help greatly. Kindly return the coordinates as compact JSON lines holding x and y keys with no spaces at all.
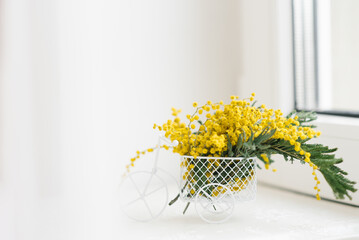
{"x":338,"y":126}
{"x":275,"y":214}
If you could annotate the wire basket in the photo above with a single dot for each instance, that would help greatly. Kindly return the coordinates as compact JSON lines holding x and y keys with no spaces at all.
{"x":211,"y":178}
{"x":214,"y":184}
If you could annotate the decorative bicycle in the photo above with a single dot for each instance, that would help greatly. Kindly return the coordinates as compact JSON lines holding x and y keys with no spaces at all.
{"x":214,"y":184}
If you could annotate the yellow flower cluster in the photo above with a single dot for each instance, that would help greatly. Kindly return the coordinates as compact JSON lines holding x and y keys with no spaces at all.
{"x":139,"y":153}
{"x":205,"y":133}
{"x":198,"y":176}
{"x":236,"y":186}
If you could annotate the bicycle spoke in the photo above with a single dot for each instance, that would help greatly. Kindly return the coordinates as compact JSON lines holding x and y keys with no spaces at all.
{"x":206,"y":207}
{"x":207,"y":195}
{"x":132,"y":202}
{"x":133,"y":182}
{"x":148,"y":208}
{"x":147,"y":194}
{"x":148,"y":183}
{"x":220,"y":198}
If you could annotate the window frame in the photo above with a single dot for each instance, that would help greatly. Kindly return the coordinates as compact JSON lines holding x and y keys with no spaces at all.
{"x":337,"y":128}
{"x":317,"y":57}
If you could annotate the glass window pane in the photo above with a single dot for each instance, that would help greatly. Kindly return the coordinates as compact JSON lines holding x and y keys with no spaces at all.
{"x":345,"y":54}
{"x":326,"y":55}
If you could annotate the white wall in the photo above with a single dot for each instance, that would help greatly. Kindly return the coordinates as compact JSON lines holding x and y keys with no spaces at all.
{"x":257,"y":50}
{"x":82,"y":83}
{"x":265,"y":64}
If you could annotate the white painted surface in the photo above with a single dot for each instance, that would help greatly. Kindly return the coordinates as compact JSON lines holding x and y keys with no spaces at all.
{"x":81,"y":84}
{"x":274,"y":215}
{"x":257,"y":69}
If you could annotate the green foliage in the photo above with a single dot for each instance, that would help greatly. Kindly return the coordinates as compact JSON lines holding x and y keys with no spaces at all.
{"x":304,"y":117}
{"x":322,"y":156}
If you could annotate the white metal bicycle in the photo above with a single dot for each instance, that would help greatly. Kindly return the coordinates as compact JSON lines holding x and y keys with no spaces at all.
{"x":214,"y":184}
